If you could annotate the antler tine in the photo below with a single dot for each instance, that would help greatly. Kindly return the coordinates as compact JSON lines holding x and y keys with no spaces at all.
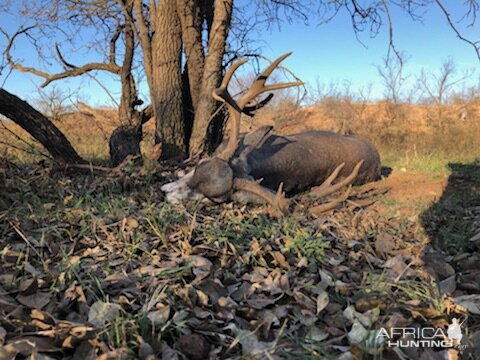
{"x":278,"y":200}
{"x":319,"y":209}
{"x":235,"y":108}
{"x":222,"y":94}
{"x":250,"y":110}
{"x":230,"y":71}
{"x":327,"y":188}
{"x":259,"y":87}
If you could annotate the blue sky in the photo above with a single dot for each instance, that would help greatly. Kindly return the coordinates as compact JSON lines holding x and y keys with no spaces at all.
{"x":331,"y":52}
{"x":327,"y":53}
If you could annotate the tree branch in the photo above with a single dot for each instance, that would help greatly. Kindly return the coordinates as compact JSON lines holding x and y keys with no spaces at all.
{"x":391,"y":44}
{"x":74,"y":70}
{"x":113,"y":43}
{"x":474,"y":44}
{"x":144,"y":36}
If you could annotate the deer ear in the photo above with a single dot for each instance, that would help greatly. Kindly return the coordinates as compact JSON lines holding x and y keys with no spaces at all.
{"x":256,"y":138}
{"x":250,"y":142}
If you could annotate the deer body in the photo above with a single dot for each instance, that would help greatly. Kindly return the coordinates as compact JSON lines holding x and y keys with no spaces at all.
{"x":301,"y":161}
{"x":247,"y":168}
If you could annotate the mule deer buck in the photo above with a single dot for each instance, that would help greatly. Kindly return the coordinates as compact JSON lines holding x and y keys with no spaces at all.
{"x":251,"y":167}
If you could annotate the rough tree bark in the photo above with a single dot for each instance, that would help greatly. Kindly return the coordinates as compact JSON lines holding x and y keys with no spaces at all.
{"x":167,"y":98}
{"x":125,"y":140}
{"x":191,"y":20}
{"x":39,"y":126}
{"x":160,"y":38}
{"x":212,"y":73}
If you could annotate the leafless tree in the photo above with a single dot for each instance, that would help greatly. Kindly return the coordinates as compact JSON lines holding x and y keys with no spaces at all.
{"x":392,"y":74}
{"x":66,"y":17}
{"x":437,"y":86}
{"x":183,"y":47}
{"x":167,"y":31}
{"x":55,"y":102}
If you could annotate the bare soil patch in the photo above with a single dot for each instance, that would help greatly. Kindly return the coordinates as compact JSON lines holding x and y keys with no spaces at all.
{"x":417,"y":187}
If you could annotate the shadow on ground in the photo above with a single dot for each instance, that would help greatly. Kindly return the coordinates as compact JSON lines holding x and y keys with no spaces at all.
{"x":453,"y":219}
{"x":454,"y":256}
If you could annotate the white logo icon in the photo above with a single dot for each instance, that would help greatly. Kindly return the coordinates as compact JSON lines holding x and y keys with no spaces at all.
{"x":454,"y":331}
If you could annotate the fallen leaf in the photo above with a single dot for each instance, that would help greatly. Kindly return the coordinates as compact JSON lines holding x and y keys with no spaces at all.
{"x":35,"y":301}
{"x":194,"y":346}
{"x":322,"y":301}
{"x":159,"y":316}
{"x":29,"y":344}
{"x":448,"y":285}
{"x":101,"y":313}
{"x":201,"y":267}
{"x":28,"y":286}
{"x":145,"y":351}
{"x":260,"y":302}
{"x":470,"y":302}
{"x":384,"y":244}
{"x":315,"y":334}
{"x":167,"y":352}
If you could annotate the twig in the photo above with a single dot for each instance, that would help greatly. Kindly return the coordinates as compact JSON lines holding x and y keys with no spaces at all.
{"x":474,"y":44}
{"x":25,"y":239}
{"x":391,"y":44}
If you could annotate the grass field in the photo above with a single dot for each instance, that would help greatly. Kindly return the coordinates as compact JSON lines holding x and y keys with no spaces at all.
{"x":95,"y":265}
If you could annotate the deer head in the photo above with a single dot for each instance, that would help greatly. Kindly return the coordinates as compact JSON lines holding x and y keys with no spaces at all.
{"x":218,"y":177}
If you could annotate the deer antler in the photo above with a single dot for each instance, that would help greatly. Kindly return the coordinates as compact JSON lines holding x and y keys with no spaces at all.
{"x":327,"y":188}
{"x":278,"y":200}
{"x":235,"y":108}
{"x":320,"y":209}
{"x":250,"y":110}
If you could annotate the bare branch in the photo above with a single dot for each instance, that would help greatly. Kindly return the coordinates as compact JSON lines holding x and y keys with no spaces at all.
{"x":391,"y":45}
{"x":113,"y":43}
{"x":75,"y":71}
{"x":474,"y":44}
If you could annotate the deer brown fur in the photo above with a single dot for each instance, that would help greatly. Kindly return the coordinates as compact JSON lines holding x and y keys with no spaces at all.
{"x":251,"y":167}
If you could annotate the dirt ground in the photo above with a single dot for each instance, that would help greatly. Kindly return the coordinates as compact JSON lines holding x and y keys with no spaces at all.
{"x":416,"y":188}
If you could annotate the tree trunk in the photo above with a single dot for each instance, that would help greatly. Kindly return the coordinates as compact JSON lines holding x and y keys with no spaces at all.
{"x":125,"y":140}
{"x":212,"y":73}
{"x":191,"y":22}
{"x":39,"y":127}
{"x":167,"y":81}
{"x":159,"y":31}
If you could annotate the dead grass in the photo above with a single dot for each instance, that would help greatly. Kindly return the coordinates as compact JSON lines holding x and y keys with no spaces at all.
{"x":123,"y":272}
{"x":101,"y":267}
{"x":414,"y":137}
{"x":88,"y":135}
